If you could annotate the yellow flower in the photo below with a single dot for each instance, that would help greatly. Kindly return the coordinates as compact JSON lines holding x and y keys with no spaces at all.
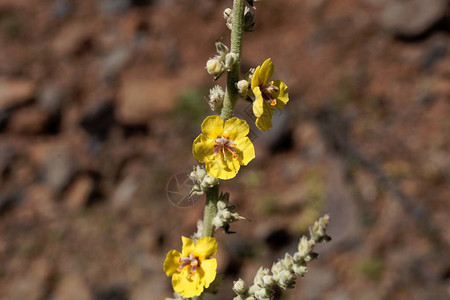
{"x":224,"y":148}
{"x":192,"y":270}
{"x":269,"y":95}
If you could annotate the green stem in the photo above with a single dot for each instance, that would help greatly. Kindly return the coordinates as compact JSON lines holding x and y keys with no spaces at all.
{"x":237,"y":33}
{"x":231,"y":96}
{"x":212,"y":196}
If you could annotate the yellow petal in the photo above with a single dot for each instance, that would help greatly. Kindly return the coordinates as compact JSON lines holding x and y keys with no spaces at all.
{"x":171,"y":263}
{"x":258,"y":104}
{"x":188,"y":246}
{"x":235,"y":127}
{"x":255,"y":78}
{"x":223,"y":167}
{"x":212,"y":127}
{"x":282,"y":95}
{"x":209,"y":267}
{"x":264,"y":122}
{"x":205,"y":247}
{"x":187,"y":286}
{"x":266,"y":71}
{"x":246,"y":150}
{"x":202,"y":148}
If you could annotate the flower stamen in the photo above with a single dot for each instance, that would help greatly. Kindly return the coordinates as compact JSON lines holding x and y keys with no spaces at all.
{"x":223,"y":143}
{"x":191,"y":261}
{"x":267,"y":91}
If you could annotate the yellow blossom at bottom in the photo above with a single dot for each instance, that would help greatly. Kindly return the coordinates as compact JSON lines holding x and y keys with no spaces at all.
{"x":193,"y":269}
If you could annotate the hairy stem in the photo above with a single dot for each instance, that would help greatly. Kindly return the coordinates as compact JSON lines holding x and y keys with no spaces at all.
{"x":231,"y":96}
{"x":237,"y":33}
{"x":212,"y":196}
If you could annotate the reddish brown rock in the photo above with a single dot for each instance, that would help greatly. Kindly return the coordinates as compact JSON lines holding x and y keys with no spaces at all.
{"x":79,"y":192}
{"x":140,"y":99}
{"x":14,"y":92}
{"x":411,"y":18}
{"x":72,"y":287}
{"x":71,"y":39}
{"x":40,"y":200}
{"x":29,"y":120}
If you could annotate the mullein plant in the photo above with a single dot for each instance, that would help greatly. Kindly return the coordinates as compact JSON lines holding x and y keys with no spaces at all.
{"x":222,"y":148}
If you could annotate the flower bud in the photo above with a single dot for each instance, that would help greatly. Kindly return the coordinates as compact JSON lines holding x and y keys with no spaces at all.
{"x":221,"y":205}
{"x":304,"y":246}
{"x":285,"y":279}
{"x":242,"y":87}
{"x":222,"y":49}
{"x":259,"y":278}
{"x":230,"y":59}
{"x":249,"y":20}
{"x":210,"y":181}
{"x":225,"y":215}
{"x":216,"y":96}
{"x":217,"y":222}
{"x":299,"y":270}
{"x":239,"y":287}
{"x":264,"y":294}
{"x":228,"y":16}
{"x":214,"y":66}
{"x":201,"y":180}
{"x":288,"y":261}
{"x":227,"y":13}
{"x":277,"y":268}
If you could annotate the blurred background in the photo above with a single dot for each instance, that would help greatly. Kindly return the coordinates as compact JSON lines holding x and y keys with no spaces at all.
{"x":100,"y":102}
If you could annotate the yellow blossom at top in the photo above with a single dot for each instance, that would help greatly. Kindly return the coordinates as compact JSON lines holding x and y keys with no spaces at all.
{"x":193,"y":269}
{"x":269,"y":95}
{"x":223,"y":147}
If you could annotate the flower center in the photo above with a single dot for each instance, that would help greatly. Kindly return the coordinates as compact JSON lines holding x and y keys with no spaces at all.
{"x":223,"y":143}
{"x":267,"y":91}
{"x":190,"y":261}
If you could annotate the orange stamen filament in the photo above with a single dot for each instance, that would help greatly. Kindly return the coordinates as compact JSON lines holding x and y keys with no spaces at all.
{"x":223,"y":143}
{"x":267,"y":91}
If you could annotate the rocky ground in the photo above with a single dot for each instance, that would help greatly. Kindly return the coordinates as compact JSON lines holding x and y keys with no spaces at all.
{"x":99,"y":104}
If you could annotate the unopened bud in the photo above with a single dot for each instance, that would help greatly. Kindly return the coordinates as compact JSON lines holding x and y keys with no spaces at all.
{"x":201,"y":180}
{"x":225,"y":215}
{"x":288,"y":261}
{"x":264,"y":294}
{"x":214,"y":66}
{"x":239,"y":287}
{"x":227,"y":13}
{"x":242,"y":87}
{"x":217,"y":222}
{"x":221,"y":48}
{"x":285,"y":279}
{"x":216,"y":96}
{"x":228,"y":16}
{"x":299,"y":270}
{"x":230,"y":59}
{"x":249,"y":20}
{"x":221,"y":205}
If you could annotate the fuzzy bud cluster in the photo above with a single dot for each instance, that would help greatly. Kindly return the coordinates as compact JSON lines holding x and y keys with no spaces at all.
{"x":202,"y":181}
{"x":216,"y":96}
{"x":283,"y":273}
{"x":222,"y":62}
{"x":249,"y":19}
{"x":225,"y":215}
